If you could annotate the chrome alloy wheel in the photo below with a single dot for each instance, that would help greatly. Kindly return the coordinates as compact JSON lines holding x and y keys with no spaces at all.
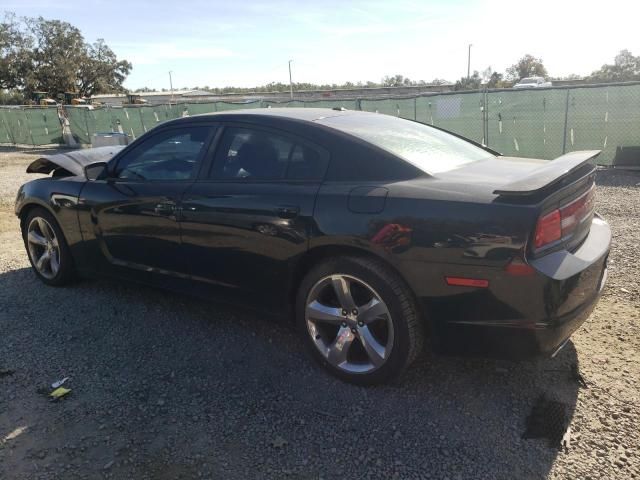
{"x":349,"y":323}
{"x":43,"y":247}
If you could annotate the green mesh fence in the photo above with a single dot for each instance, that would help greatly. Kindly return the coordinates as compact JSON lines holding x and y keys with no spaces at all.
{"x":5,"y":137}
{"x":135,"y":120}
{"x":541,"y":123}
{"x":44,"y":125}
{"x":348,"y":104}
{"x":604,"y":118}
{"x":398,"y":107}
{"x":223,"y":106}
{"x":200,"y":108}
{"x":529,"y":125}
{"x":460,"y":113}
{"x":84,"y":122}
{"x":289,"y":104}
{"x":30,"y":126}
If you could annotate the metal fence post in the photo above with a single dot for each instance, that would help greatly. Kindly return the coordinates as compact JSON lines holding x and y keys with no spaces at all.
{"x":566,"y":119}
{"x":28,"y":125}
{"x":85,"y":114}
{"x":482,"y":110}
{"x":486,"y":117}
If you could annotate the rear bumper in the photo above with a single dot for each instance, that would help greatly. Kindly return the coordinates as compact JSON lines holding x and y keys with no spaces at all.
{"x":527,"y":316}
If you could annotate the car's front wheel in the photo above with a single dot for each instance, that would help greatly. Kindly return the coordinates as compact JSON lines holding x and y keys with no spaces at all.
{"x":359,"y":319}
{"x":47,"y":248}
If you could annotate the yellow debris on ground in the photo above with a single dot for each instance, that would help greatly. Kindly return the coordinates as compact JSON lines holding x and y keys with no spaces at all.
{"x":59,"y":392}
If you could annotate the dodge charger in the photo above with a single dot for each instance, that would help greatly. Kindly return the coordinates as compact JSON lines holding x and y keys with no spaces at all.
{"x":376,"y":235}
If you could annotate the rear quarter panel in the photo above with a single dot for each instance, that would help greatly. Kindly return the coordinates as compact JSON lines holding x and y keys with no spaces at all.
{"x":426,"y":235}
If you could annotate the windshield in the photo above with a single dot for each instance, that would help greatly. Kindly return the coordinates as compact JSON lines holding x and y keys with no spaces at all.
{"x":529,"y":80}
{"x":429,"y":149}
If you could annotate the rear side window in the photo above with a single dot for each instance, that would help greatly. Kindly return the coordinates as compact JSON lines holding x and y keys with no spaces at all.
{"x":252,"y":154}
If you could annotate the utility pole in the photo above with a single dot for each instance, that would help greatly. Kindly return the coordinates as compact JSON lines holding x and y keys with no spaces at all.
{"x":290,"y":82}
{"x":469,"y":62}
{"x":171,"y":84}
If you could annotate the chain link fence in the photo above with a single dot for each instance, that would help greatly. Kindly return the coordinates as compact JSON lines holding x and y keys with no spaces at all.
{"x":536,"y":123}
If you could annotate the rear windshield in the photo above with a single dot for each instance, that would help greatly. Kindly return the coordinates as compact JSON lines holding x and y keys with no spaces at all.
{"x":427,"y":148}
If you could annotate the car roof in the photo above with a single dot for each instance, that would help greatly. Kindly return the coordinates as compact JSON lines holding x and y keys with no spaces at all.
{"x":300,"y":117}
{"x":300,"y":114}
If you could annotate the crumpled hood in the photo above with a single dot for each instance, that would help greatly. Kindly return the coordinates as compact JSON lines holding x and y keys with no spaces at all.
{"x":74,"y":161}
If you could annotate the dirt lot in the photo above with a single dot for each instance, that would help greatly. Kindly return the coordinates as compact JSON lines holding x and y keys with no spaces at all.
{"x":170,"y":387}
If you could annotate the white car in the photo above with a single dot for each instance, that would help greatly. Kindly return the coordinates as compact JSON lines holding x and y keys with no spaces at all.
{"x":532,"y":82}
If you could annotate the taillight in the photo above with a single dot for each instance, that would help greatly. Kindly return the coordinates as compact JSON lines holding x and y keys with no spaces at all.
{"x":548,"y":229}
{"x":575,"y":212}
{"x":562,"y":222}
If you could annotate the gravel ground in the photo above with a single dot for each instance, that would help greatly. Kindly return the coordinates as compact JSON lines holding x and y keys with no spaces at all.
{"x":167,"y":387}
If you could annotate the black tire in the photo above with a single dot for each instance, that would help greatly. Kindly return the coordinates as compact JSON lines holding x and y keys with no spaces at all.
{"x":66,"y":272}
{"x":408,"y":339}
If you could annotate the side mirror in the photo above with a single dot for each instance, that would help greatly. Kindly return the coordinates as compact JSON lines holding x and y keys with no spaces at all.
{"x":96,"y":171}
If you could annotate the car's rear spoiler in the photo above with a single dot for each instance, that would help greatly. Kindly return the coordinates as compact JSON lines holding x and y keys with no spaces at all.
{"x":548,"y":174}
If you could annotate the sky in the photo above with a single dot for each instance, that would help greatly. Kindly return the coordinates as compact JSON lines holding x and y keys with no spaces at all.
{"x":247,"y":43}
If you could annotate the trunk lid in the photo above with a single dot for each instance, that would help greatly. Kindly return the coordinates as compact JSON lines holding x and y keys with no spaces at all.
{"x":515,"y":179}
{"x":565,"y":184}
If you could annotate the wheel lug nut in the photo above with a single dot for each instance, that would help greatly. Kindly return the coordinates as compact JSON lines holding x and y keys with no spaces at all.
{"x":361,"y":324}
{"x":344,"y":313}
{"x":344,"y":324}
{"x":355,"y":311}
{"x":353,"y":330}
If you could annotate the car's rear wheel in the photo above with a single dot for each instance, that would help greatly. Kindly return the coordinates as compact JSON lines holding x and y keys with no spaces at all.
{"x":47,"y":248}
{"x":359,"y":319}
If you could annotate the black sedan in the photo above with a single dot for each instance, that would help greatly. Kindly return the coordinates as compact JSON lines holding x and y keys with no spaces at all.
{"x":373,"y":232}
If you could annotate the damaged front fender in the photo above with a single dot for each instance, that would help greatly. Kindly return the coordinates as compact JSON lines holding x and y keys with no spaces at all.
{"x":73,"y":162}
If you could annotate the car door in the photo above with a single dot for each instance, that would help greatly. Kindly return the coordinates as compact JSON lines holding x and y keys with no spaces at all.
{"x":251,"y":213}
{"x":132,"y":221}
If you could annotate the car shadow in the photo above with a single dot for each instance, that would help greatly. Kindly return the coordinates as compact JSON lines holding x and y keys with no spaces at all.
{"x":166,"y":386}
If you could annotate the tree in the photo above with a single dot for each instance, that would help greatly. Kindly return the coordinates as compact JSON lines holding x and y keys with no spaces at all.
{"x":14,"y":52}
{"x":394,"y":81}
{"x":625,"y":68}
{"x":527,"y":66}
{"x":388,"y":81}
{"x":495,"y":81}
{"x":469,"y":83}
{"x":37,"y":54}
{"x":571,"y":76}
{"x":58,"y":49}
{"x":486,"y":74}
{"x":12,"y":97}
{"x":100,"y":70}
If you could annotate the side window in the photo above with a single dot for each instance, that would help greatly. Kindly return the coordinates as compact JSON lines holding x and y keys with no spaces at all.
{"x":252,"y":154}
{"x":170,"y":155}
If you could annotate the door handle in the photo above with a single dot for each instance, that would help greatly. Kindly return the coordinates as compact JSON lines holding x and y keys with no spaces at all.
{"x":288,"y":211}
